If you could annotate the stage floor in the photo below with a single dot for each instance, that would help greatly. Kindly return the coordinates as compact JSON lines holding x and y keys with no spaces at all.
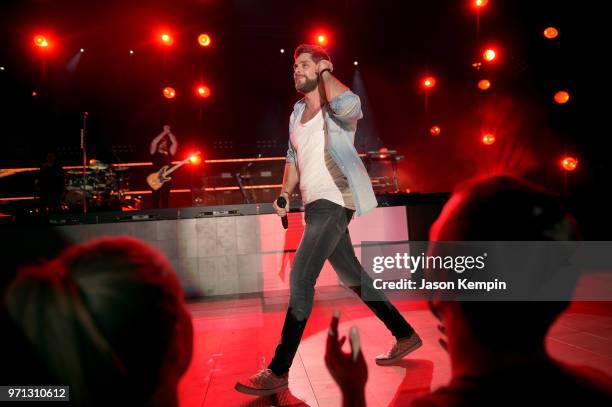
{"x":232,"y":335}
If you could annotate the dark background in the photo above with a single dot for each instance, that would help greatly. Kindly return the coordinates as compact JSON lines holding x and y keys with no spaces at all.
{"x":395,"y":42}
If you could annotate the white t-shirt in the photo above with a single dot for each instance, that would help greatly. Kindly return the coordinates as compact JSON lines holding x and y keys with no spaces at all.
{"x":320,"y":177}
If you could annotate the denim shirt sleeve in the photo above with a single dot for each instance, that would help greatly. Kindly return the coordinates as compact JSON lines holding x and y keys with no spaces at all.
{"x":346,"y":107}
{"x":290,"y":154}
{"x":290,"y":151}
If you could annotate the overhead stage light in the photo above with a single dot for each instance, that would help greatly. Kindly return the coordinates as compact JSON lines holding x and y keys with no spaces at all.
{"x":169,"y":92}
{"x":204,"y":40}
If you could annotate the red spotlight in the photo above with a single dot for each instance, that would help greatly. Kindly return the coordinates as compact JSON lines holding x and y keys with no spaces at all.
{"x":41,"y":41}
{"x":435,"y":131}
{"x":569,"y":163}
{"x":489,"y":55}
{"x":34,"y":94}
{"x":480,"y":3}
{"x":203,"y":91}
{"x":166,"y":39}
{"x":322,"y":39}
{"x":551,"y":33}
{"x":429,"y":82}
{"x":195,"y":159}
{"x":562,"y":97}
{"x":169,"y":92}
{"x":488,"y":139}
{"x":484,"y":84}
{"x":204,"y":40}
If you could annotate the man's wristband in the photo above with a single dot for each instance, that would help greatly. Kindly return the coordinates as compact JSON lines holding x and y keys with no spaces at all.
{"x":326,"y":69}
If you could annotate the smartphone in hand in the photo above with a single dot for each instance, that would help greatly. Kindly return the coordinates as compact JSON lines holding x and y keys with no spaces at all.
{"x":354,"y":338}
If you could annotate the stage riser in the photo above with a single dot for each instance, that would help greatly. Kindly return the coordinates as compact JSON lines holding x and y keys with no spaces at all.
{"x":242,"y":249}
{"x":239,"y":254}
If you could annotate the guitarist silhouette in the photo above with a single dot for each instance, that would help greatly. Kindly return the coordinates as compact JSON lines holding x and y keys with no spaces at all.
{"x":163,"y":148}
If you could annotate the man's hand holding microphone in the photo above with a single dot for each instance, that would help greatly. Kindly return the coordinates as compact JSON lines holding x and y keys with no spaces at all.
{"x":281,"y":206}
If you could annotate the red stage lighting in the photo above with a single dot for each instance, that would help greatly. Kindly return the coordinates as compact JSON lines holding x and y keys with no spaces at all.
{"x":488,"y":139}
{"x":34,"y":94}
{"x":41,"y":41}
{"x":322,"y":39}
{"x":204,"y":40}
{"x":203,"y":91}
{"x":429,"y":82}
{"x":195,"y":159}
{"x":435,"y":131}
{"x":169,"y":92}
{"x":484,"y":84}
{"x":166,"y":39}
{"x":551,"y":33}
{"x":382,"y":152}
{"x":562,"y":97}
{"x":569,"y":163}
{"x":489,"y":55}
{"x":480,"y":3}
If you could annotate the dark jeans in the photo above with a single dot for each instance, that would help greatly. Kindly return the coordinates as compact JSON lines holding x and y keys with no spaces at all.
{"x":161,"y":196}
{"x":326,"y":236}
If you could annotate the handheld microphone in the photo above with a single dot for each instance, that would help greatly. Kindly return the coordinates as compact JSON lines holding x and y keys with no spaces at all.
{"x":282,"y":202}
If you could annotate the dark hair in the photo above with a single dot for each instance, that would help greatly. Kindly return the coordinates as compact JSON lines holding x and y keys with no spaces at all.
{"x":316,"y":52}
{"x":105,"y":313}
{"x":507,"y":208}
{"x":503,"y":208}
{"x":511,"y":325}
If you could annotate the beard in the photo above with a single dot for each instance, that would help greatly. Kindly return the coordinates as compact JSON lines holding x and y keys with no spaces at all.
{"x":307,"y":86}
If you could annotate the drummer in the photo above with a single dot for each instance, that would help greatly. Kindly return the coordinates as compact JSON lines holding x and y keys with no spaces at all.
{"x":50,"y":184}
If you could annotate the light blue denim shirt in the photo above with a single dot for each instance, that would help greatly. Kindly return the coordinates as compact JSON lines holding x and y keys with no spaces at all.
{"x":341,"y":115}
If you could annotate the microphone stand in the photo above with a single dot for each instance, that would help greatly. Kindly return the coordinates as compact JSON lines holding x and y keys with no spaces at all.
{"x":241,"y":186}
{"x":84,"y":149}
{"x":247,"y":176}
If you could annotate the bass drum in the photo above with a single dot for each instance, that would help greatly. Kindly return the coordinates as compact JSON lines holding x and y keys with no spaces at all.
{"x":74,"y":197}
{"x":75,"y":183}
{"x":78,"y":187}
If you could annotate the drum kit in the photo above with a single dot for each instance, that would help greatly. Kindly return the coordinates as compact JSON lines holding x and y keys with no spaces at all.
{"x":104,"y":186}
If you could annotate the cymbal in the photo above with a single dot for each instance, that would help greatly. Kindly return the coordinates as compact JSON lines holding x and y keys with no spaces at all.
{"x":78,"y":171}
{"x":383,"y":152}
{"x":98,"y":166}
{"x":385,"y":155}
{"x":123,"y":168}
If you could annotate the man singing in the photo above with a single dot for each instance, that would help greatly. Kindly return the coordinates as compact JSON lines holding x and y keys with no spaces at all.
{"x":334,"y":184}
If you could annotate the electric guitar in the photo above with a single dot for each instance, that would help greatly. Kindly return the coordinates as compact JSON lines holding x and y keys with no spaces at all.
{"x":157,"y":179}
